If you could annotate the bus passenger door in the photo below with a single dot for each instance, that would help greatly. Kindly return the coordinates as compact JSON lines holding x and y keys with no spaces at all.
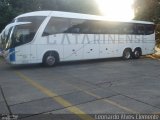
{"x":33,"y":53}
{"x":23,"y":54}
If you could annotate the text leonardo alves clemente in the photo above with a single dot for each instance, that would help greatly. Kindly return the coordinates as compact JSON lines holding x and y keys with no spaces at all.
{"x":127,"y":117}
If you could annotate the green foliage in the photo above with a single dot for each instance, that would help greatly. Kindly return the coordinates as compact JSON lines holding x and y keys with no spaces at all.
{"x":149,"y":10}
{"x":5,"y":13}
{"x":158,"y":35}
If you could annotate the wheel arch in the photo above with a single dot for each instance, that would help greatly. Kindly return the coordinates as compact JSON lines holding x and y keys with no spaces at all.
{"x":139,"y":49}
{"x":128,"y":48}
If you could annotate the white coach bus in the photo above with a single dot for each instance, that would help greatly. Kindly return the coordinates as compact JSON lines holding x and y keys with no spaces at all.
{"x":50,"y":37}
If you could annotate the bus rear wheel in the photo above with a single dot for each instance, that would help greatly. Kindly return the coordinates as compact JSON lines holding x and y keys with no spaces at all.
{"x":127,"y":54}
{"x":137,"y":54}
{"x":50,"y":59}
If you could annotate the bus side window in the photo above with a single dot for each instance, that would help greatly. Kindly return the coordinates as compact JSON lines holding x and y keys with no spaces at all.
{"x":127,"y":29}
{"x":113,"y":28}
{"x":105,"y":27}
{"x":75,"y":26}
{"x":95,"y":27}
{"x":140,"y":30}
{"x":149,"y":29}
{"x":86,"y":27}
{"x":56,"y":26}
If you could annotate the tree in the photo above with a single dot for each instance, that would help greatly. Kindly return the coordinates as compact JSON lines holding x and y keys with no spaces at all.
{"x":147,"y":10}
{"x":5,"y":13}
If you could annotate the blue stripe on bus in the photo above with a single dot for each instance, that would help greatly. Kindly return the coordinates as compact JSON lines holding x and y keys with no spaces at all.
{"x":12,"y":56}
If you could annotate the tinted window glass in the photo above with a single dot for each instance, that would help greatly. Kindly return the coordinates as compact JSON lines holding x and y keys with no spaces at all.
{"x":149,"y":29}
{"x":140,"y":29}
{"x":95,"y":27}
{"x":56,"y":25}
{"x":127,"y":28}
{"x":25,"y":33}
{"x":33,"y":19}
{"x":6,"y":42}
{"x":87,"y":27}
{"x":76,"y":26}
{"x":109,"y":28}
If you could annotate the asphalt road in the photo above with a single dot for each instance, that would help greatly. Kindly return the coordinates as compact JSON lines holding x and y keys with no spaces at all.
{"x":80,"y":89}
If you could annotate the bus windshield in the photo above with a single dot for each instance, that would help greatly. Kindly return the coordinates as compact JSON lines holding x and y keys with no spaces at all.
{"x":25,"y":31}
{"x":5,"y":35}
{"x":22,"y":34}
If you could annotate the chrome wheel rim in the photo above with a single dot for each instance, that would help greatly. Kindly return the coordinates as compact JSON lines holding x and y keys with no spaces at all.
{"x":136,"y":54}
{"x":127,"y":55}
{"x":51,"y":60}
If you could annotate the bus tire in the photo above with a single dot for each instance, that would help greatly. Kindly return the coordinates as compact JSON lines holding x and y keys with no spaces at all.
{"x":50,"y":59}
{"x":127,"y":54}
{"x":137,"y":53}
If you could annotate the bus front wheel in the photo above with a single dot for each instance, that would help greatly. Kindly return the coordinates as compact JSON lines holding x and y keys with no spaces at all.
{"x":50,"y":59}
